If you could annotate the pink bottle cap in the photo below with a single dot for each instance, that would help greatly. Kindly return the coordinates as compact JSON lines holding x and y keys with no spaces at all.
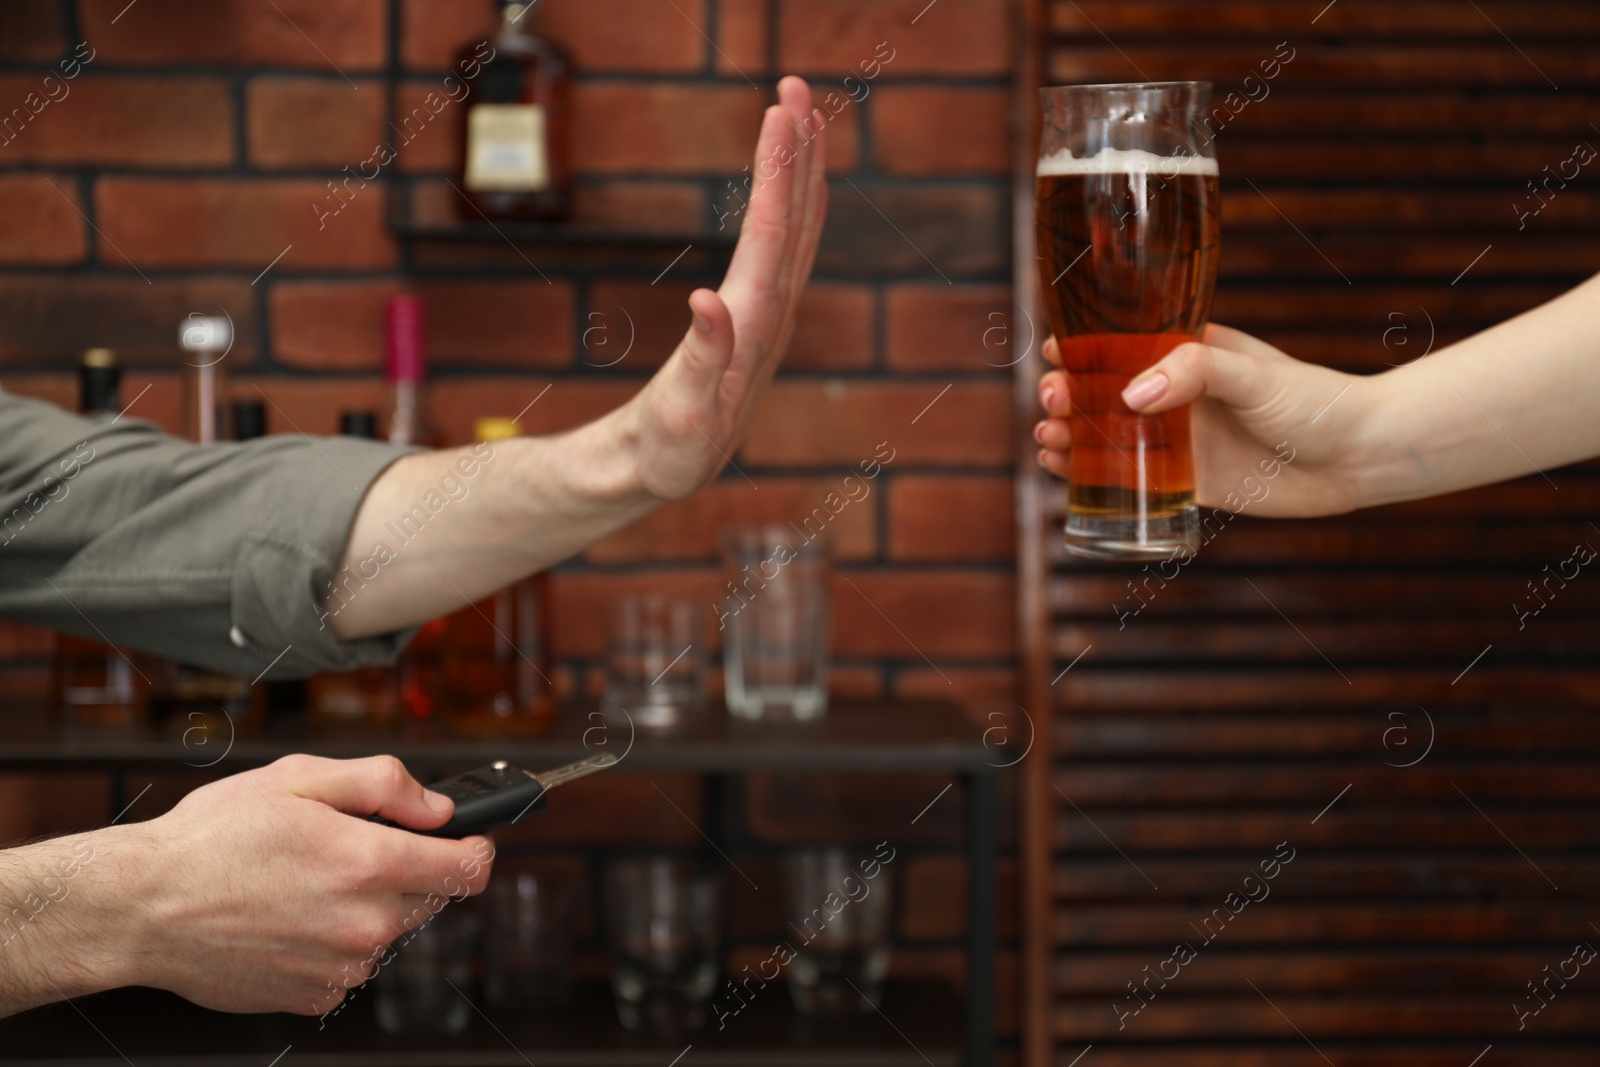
{"x":406,"y":356}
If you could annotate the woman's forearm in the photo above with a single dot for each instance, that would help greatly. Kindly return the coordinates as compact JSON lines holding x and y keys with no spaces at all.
{"x":1519,"y":398}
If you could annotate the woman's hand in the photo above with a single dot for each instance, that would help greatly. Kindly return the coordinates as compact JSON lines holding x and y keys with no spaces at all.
{"x":1253,"y":405}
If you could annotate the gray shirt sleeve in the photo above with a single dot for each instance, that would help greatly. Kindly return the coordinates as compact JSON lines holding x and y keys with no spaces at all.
{"x":216,"y":556}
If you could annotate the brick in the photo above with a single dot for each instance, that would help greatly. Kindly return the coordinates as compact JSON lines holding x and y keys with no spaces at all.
{"x":953,"y":37}
{"x":664,"y":128}
{"x":39,"y":220}
{"x":852,"y":809}
{"x":653,"y":318}
{"x":313,"y":406}
{"x":929,"y":614}
{"x":967,"y":328}
{"x":245,"y":224}
{"x":951,"y":230}
{"x":455,"y":403}
{"x":48,"y":321}
{"x":641,"y":207}
{"x":620,"y":809}
{"x":150,"y":397}
{"x":980,"y":691}
{"x":742,"y":37}
{"x":941,"y":131}
{"x":804,"y":423}
{"x":835,"y":329}
{"x":124,"y":122}
{"x":336,"y":36}
{"x":635,"y":36}
{"x":31,"y":31}
{"x":428,"y":134}
{"x":690,"y":529}
{"x":956,"y":519}
{"x":340,"y":326}
{"x":432,"y":32}
{"x":313,"y":122}
{"x":933,"y":898}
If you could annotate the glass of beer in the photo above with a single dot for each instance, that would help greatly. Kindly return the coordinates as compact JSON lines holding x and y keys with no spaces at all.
{"x":1128,"y":233}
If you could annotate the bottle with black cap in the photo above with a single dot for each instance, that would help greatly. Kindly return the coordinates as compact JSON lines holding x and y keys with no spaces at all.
{"x":365,"y":700}
{"x":95,"y":686}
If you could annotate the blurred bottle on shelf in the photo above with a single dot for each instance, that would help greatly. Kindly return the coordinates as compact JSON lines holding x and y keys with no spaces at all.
{"x":514,"y":160}
{"x":366,"y":699}
{"x":494,"y":655}
{"x":205,"y":707}
{"x":405,"y":366}
{"x":207,"y":339}
{"x":95,"y":686}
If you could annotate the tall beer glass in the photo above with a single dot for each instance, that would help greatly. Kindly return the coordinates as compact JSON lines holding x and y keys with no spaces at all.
{"x":1128,"y":235}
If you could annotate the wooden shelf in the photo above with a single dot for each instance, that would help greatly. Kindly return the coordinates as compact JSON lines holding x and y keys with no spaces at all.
{"x":895,"y":735}
{"x":919,"y":1025}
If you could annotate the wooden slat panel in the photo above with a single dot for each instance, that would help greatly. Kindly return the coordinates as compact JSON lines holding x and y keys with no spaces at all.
{"x":1431,"y":20}
{"x":1274,"y":734}
{"x":1195,"y":736}
{"x":1362,"y":829}
{"x":1485,"y":65}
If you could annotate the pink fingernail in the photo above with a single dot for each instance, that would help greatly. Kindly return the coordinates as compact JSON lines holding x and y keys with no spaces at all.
{"x":1038,"y":432}
{"x":1052,"y":399}
{"x":702,"y":323}
{"x":1146,"y":391}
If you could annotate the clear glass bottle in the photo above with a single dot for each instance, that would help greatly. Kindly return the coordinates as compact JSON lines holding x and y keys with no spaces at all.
{"x":515,"y":160}
{"x":494,"y":655}
{"x":95,"y":686}
{"x":205,"y":707}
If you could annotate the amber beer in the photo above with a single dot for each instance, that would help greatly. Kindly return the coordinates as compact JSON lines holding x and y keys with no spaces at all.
{"x":1128,"y":241}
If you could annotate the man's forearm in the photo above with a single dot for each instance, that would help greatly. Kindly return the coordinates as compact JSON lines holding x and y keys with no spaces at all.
{"x":439,"y":530}
{"x":1517,"y":398}
{"x":68,"y":912}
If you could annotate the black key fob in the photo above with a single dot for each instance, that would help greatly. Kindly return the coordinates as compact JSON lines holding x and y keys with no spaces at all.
{"x":500,"y":795}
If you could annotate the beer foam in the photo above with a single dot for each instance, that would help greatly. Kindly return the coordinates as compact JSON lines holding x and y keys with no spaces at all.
{"x":1124,"y":161}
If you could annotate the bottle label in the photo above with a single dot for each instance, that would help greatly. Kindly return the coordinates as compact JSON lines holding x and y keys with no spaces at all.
{"x":506,"y":147}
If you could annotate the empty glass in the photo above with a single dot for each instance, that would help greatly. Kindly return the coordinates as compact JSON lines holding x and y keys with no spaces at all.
{"x":776,"y":620}
{"x":838,"y":904}
{"x":423,"y":988}
{"x":663,"y":916}
{"x":527,"y":945}
{"x":657,"y":666}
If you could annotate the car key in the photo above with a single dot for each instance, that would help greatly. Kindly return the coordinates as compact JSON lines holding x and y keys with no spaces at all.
{"x":501,"y":795}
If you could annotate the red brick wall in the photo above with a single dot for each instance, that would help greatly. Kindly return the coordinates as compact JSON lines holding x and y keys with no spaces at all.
{"x":189,"y":149}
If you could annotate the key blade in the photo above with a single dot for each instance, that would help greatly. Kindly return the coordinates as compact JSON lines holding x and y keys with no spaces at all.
{"x":552,"y":778}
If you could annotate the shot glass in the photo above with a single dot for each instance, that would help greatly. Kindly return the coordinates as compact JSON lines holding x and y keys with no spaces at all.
{"x":527,"y":944}
{"x":656,"y":671}
{"x":841,"y":915}
{"x":423,"y":988}
{"x":662,"y":912}
{"x":776,"y":618}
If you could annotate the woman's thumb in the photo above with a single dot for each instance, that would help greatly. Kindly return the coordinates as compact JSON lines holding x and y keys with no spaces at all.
{"x":1193,"y":370}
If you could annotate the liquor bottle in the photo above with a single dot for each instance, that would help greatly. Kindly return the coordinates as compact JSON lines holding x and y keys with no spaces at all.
{"x":404,"y":366}
{"x":201,"y":706}
{"x":514,"y":162}
{"x":96,"y":686}
{"x":367,"y":699}
{"x":495,"y":655}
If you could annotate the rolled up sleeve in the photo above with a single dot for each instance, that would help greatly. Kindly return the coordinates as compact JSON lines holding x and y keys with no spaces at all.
{"x":217,"y":556}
